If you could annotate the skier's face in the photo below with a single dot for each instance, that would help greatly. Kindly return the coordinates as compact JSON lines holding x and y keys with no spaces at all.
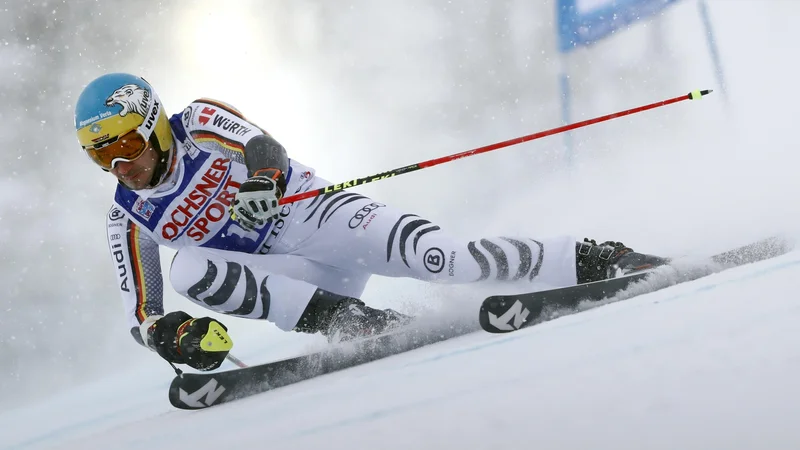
{"x":138,"y":173}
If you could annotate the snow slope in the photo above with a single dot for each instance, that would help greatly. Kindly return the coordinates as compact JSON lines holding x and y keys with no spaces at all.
{"x":710,"y":364}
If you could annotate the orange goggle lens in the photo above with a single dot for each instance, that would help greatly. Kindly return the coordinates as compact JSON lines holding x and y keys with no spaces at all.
{"x":127,"y":147}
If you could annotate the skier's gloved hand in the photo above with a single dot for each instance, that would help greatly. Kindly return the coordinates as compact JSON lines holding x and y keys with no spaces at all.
{"x":257,"y":199}
{"x":201,"y":343}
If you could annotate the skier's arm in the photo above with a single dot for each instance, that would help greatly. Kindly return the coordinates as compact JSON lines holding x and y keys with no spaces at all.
{"x":137,"y":265}
{"x":220,"y":127}
{"x":176,"y":337}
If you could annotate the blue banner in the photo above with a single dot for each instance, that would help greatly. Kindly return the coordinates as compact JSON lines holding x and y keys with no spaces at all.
{"x":584,"y":22}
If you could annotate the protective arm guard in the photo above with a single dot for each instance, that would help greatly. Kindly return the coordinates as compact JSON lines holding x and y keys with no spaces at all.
{"x":264,"y":152}
{"x":257,"y":199}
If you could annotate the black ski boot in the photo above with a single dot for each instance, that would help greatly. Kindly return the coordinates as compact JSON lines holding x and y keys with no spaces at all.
{"x":595,"y":262}
{"x":341,"y":318}
{"x":353,"y":319}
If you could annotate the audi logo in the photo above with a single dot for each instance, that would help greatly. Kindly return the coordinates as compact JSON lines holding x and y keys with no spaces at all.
{"x":362,"y":214}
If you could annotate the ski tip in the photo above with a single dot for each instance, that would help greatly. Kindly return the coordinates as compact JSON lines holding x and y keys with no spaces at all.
{"x":696,"y":95}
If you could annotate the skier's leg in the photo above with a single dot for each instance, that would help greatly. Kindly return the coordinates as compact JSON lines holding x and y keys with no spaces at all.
{"x":284,"y":289}
{"x":356,"y":233}
{"x":277,"y":288}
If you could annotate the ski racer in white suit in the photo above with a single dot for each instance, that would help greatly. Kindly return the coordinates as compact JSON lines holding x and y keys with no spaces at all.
{"x":207,"y":182}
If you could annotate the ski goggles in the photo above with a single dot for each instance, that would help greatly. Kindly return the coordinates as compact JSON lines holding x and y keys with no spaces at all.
{"x":127,"y":148}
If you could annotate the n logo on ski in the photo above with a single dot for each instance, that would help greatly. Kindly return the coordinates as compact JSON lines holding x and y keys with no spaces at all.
{"x":211,"y":391}
{"x":517,"y":312}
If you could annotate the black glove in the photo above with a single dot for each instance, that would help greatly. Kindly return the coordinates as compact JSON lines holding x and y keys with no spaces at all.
{"x":257,"y":199}
{"x":201,"y":343}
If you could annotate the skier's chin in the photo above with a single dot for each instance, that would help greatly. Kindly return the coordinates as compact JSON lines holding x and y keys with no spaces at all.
{"x":138,"y":182}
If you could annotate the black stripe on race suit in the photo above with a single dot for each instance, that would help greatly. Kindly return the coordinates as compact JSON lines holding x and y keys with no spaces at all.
{"x":393,"y":233}
{"x":482,"y":261}
{"x":538,"y":265}
{"x":525,"y":257}
{"x":250,"y":294}
{"x":422,"y":233}
{"x":316,"y":199}
{"x":266,"y":299}
{"x":406,"y":233}
{"x":500,"y":258}
{"x":232,"y":274}
{"x":525,"y":253}
{"x":321,"y":199}
{"x":205,"y":283}
{"x":350,"y":198}
{"x":225,"y":291}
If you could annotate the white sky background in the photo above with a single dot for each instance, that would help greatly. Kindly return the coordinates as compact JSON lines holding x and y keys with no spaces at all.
{"x":378,"y":85}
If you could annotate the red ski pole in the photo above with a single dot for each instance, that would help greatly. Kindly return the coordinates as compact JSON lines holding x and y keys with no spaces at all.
{"x":694,"y":95}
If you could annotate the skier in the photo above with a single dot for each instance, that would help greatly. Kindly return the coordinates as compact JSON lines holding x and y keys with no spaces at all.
{"x":207,"y":182}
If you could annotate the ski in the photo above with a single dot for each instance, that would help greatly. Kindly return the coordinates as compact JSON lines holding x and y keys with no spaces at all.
{"x":508,"y":313}
{"x":205,"y":389}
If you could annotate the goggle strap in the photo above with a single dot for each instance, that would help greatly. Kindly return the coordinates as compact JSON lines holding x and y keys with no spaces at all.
{"x":148,"y":126}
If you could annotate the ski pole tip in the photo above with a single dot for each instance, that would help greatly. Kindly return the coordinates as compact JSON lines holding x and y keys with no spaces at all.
{"x":696,"y":95}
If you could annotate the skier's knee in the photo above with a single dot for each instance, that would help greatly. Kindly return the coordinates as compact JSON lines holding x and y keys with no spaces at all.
{"x":188,"y":269}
